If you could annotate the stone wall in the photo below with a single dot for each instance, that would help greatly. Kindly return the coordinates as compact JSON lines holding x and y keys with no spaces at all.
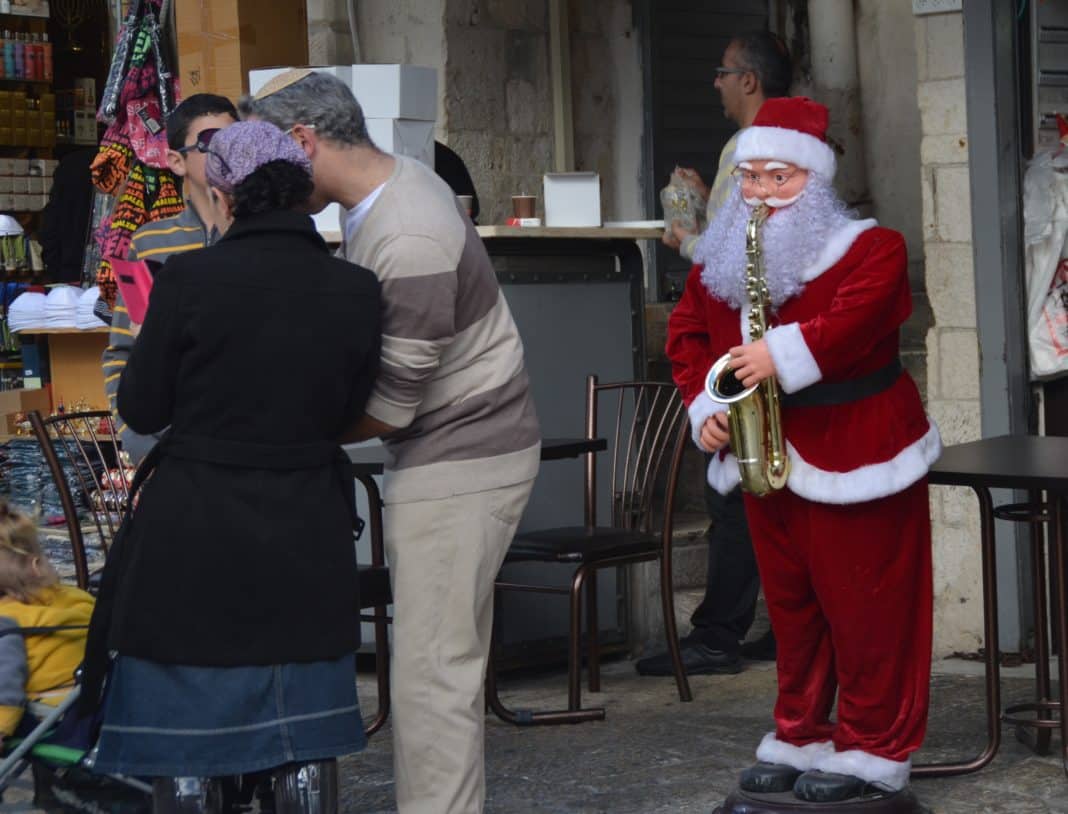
{"x":498,"y":109}
{"x":952,"y":341}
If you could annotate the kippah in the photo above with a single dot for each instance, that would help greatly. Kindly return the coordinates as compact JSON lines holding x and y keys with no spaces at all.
{"x":283,"y":80}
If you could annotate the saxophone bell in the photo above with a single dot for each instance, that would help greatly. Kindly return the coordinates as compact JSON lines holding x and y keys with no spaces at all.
{"x":722,"y":386}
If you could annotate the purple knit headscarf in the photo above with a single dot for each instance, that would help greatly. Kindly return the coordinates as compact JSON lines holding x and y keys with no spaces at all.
{"x":239,"y":150}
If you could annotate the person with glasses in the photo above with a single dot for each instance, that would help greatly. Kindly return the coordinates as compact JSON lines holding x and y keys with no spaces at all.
{"x":454,"y":409}
{"x":756,"y":66}
{"x":189,"y":128}
{"x":230,"y":596}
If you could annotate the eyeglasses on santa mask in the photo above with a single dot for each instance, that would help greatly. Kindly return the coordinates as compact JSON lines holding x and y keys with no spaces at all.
{"x":767,"y":180}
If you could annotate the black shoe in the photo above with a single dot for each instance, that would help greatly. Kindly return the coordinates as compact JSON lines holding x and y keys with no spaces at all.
{"x":762,"y":649}
{"x":768,"y":778}
{"x":697,"y":659}
{"x":828,"y":787}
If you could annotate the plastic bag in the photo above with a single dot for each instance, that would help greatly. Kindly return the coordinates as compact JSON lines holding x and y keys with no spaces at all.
{"x":1046,"y":241}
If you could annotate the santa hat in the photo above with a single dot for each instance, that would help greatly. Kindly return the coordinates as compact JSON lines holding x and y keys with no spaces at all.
{"x":792,"y":129}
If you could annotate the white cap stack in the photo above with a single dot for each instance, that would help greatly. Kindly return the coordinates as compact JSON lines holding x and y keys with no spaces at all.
{"x":84,"y":317}
{"x":61,"y":307}
{"x":26,"y":312}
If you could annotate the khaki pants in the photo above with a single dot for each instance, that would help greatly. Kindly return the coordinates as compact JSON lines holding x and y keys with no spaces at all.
{"x":444,"y":556}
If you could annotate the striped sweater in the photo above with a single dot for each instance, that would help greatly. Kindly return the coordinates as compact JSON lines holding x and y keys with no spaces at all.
{"x":153,"y":241}
{"x":452,"y":374}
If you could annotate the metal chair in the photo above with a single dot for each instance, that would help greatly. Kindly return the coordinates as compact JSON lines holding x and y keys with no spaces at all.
{"x":89,"y":477}
{"x":651,"y":429}
{"x":376,"y":594}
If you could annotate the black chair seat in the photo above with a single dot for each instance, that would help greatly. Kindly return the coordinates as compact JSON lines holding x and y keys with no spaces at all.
{"x":579,"y":544}
{"x":374,"y":585}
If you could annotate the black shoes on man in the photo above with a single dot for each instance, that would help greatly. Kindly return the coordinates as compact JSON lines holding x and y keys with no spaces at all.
{"x":700,"y":659}
{"x":812,"y":786}
{"x":697,"y":659}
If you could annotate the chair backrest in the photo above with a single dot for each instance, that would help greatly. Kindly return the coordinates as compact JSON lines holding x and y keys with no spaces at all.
{"x":82,"y":454}
{"x":649,"y":428}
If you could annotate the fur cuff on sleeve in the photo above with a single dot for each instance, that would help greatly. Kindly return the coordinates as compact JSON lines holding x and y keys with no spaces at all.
{"x":795,"y":366}
{"x":700,"y":409}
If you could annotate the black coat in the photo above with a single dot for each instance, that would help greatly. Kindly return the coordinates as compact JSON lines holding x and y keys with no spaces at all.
{"x":258,"y":352}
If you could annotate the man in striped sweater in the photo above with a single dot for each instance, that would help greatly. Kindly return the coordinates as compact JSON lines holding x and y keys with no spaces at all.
{"x":159,"y":240}
{"x":453,"y":407}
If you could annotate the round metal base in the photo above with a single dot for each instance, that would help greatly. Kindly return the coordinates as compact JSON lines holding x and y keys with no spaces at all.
{"x":899,"y":802}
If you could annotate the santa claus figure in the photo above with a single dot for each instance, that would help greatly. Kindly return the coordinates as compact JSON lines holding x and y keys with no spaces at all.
{"x":845,"y":549}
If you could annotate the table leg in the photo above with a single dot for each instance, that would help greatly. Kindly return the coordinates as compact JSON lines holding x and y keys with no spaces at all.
{"x":991,"y":662}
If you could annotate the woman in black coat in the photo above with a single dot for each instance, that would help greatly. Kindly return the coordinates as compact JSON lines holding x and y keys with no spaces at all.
{"x":233,"y":603}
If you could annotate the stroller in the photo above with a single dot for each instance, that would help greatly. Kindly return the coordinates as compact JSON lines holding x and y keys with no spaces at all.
{"x":55,"y":743}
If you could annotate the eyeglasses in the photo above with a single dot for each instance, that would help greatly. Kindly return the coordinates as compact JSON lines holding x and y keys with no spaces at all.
{"x":721,"y":71}
{"x":289,"y":132}
{"x":204,"y":138}
{"x":767,"y":180}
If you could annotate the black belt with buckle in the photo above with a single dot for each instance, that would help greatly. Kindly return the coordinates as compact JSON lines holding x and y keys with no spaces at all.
{"x":826,"y":394}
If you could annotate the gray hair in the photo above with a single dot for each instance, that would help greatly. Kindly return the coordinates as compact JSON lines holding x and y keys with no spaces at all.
{"x":319,"y":99}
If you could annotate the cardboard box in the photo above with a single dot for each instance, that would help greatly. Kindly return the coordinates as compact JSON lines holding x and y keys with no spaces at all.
{"x":396,"y":91}
{"x":572,"y":199}
{"x":13,"y":402}
{"x":35,"y":185}
{"x":85,"y":93}
{"x":7,"y":185}
{"x":7,"y":202}
{"x":404,"y":137}
{"x":20,"y":203}
{"x":7,"y":166}
{"x":20,"y":185}
{"x":220,"y":41}
{"x":84,"y":127}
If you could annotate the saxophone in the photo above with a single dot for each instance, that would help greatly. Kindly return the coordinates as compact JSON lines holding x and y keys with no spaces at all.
{"x":753,"y":413}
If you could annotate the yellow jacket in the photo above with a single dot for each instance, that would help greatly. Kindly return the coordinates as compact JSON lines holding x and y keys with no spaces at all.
{"x":40,"y":667}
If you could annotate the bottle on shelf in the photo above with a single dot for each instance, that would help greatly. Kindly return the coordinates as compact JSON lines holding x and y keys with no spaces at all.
{"x":20,"y":56}
{"x":9,"y":55}
{"x":32,"y":58}
{"x":46,"y":58}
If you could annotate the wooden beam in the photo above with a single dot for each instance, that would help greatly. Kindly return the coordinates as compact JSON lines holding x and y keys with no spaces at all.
{"x":560,"y":69}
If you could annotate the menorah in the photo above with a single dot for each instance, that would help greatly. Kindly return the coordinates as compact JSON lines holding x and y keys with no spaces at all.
{"x":71,"y":14}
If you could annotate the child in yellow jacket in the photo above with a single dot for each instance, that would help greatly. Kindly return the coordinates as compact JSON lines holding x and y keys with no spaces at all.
{"x":37,"y":667}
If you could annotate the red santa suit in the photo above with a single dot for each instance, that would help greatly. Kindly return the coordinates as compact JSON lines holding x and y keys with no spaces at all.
{"x":845,"y":549}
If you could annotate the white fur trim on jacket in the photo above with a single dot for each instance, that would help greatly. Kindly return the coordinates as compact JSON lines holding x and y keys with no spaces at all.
{"x":724,"y":474}
{"x":784,"y":144}
{"x":888,"y":775}
{"x":802,"y":758}
{"x":866,"y":482}
{"x":795,"y":366}
{"x":836,"y":247}
{"x":700,"y":409}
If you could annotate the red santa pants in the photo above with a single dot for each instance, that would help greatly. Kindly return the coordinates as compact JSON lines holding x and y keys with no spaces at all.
{"x":849,"y":592}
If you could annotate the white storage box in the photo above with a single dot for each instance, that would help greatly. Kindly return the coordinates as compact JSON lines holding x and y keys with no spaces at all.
{"x":572,"y":199}
{"x":404,"y":137}
{"x":396,"y":91}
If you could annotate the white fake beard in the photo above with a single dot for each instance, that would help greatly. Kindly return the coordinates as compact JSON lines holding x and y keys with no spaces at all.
{"x":792,"y":240}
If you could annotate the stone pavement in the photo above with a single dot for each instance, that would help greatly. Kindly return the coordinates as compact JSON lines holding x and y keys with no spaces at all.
{"x":655,"y":754}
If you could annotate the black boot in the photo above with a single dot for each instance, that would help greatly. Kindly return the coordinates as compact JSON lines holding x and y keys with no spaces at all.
{"x":828,"y":787}
{"x":768,"y":778}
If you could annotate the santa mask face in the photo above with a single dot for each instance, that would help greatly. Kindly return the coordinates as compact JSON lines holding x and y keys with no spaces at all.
{"x":775,"y":183}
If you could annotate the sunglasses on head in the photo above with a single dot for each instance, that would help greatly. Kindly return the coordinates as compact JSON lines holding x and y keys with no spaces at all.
{"x":202,"y":143}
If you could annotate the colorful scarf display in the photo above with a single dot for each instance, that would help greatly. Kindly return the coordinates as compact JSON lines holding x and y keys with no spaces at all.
{"x":139,"y":94}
